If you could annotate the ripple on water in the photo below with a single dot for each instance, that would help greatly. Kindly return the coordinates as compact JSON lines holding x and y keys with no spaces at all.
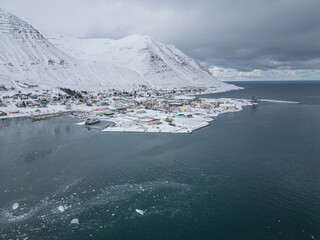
{"x":118,"y":203}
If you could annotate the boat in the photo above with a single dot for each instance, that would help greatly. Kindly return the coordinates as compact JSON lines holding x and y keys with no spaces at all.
{"x":254,"y":100}
{"x":43,"y":116}
{"x":92,"y":121}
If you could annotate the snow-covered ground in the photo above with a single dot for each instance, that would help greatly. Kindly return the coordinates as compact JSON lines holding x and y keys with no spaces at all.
{"x":162,"y":113}
{"x":182,"y":121}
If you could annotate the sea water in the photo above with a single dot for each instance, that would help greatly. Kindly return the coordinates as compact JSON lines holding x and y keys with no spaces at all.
{"x":253,"y":174}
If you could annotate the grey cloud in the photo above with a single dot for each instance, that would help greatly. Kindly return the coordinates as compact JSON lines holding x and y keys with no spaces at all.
{"x":245,"y":35}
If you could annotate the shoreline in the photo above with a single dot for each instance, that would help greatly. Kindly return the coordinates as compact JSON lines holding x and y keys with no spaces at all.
{"x":184,"y":125}
{"x":183,"y":121}
{"x":147,"y":111}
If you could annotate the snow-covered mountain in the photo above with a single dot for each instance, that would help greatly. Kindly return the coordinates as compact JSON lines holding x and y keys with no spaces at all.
{"x":26,"y":56}
{"x":25,"y":53}
{"x":158,"y":64}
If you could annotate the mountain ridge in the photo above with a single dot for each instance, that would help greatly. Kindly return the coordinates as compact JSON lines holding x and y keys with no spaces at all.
{"x":54,"y":60}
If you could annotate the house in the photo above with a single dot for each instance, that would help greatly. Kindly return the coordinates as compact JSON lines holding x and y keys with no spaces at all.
{"x":150,"y":121}
{"x":21,"y":104}
{"x":206,"y":106}
{"x":216,"y":104}
{"x":168,"y":119}
{"x":175,"y":104}
{"x":141,"y":112}
{"x":182,"y":109}
{"x":196,"y":99}
{"x":2,"y":104}
{"x":102,"y":111}
{"x":109,"y":114}
{"x":104,"y":104}
{"x":44,"y":99}
{"x":121,"y":110}
{"x":228,"y":106}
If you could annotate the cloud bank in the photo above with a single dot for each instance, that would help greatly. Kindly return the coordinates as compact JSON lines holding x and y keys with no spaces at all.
{"x":246,"y":36}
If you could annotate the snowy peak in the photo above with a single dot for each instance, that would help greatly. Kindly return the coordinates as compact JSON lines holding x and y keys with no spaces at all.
{"x":157,"y":63}
{"x":23,"y":49}
{"x":52,"y":60}
{"x":10,"y":24}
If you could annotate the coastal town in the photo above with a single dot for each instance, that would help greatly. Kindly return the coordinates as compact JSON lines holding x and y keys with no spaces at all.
{"x":142,"y":110}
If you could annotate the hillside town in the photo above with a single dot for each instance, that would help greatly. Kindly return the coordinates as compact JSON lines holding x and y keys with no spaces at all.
{"x":143,"y":110}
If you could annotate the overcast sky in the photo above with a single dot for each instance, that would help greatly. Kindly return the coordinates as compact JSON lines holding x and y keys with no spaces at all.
{"x":240,"y":39}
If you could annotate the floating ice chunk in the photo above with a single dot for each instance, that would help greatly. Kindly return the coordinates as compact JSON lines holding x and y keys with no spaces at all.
{"x":140,"y":211}
{"x":61,"y":209}
{"x":15,"y":206}
{"x":75,"y":221}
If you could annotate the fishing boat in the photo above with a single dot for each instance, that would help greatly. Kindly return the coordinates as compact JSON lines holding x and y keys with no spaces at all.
{"x":43,"y":116}
{"x":254,"y":100}
{"x":92,"y":121}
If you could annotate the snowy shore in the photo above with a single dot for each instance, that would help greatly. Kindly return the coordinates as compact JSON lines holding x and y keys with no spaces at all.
{"x":156,"y":113}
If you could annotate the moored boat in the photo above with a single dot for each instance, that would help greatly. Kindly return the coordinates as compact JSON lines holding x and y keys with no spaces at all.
{"x":92,"y":121}
{"x":254,"y":100}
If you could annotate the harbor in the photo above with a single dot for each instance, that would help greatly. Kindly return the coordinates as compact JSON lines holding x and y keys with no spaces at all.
{"x":147,"y":110}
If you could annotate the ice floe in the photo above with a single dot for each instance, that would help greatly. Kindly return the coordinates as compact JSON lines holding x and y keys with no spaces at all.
{"x":61,"y":209}
{"x":15,"y":206}
{"x":140,"y":211}
{"x":75,"y":221}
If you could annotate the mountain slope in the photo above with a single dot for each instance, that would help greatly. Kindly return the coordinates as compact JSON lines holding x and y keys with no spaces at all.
{"x":23,"y":50}
{"x":26,"y":56}
{"x":159,"y":64}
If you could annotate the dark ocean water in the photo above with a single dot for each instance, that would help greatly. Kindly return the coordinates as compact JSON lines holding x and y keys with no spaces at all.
{"x":253,"y":174}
